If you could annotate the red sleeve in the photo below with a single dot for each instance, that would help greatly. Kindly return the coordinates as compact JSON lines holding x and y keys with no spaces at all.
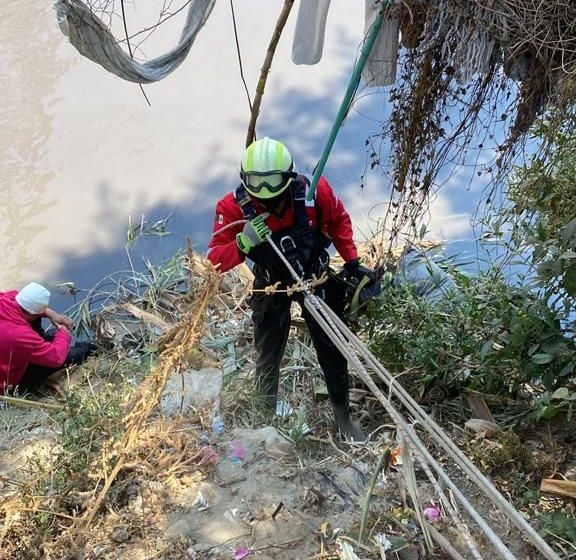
{"x":33,"y":348}
{"x":335,"y":221}
{"x":222,"y":248}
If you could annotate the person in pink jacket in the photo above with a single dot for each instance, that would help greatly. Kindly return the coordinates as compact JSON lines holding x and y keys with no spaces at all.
{"x":28,"y":356}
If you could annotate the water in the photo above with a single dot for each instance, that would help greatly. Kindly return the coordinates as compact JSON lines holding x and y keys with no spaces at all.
{"x":81,"y":151}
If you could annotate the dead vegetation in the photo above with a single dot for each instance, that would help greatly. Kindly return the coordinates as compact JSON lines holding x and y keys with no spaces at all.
{"x":112,"y":475}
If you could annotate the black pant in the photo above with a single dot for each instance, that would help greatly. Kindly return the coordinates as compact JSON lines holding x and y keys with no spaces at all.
{"x":36,"y":375}
{"x":271,"y":318}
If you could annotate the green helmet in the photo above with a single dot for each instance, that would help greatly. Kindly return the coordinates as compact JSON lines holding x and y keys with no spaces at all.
{"x":267,"y":168}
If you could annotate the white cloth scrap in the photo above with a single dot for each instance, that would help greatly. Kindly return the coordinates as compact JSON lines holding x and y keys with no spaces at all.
{"x":380,"y":68}
{"x":308,"y":41}
{"x":93,"y":40}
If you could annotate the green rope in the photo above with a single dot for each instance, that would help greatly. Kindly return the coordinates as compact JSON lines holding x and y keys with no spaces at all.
{"x":350,"y":92}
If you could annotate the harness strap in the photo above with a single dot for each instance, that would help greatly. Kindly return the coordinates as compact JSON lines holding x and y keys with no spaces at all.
{"x":243,"y":200}
{"x":301,"y":224}
{"x":304,"y":251}
{"x":298,"y":188}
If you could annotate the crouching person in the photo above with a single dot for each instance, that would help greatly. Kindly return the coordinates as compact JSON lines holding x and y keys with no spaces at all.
{"x":28,"y":355}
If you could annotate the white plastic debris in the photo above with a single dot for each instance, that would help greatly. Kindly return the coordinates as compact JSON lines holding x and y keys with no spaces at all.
{"x":284,"y":409}
{"x":200,"y":503}
{"x":383,"y":542}
{"x":345,"y":550}
{"x":231,"y":515}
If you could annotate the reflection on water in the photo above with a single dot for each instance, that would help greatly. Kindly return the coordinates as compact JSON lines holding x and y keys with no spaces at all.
{"x":82,"y":151}
{"x":30,"y":67}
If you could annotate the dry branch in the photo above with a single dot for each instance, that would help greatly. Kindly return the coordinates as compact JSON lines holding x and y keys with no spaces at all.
{"x":172,"y":359}
{"x":565,"y":488}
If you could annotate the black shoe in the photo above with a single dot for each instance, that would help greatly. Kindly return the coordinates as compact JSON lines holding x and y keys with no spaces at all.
{"x":346,"y":426}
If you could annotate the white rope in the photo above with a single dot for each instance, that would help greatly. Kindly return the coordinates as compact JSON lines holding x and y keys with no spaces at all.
{"x":408,"y":431}
{"x":444,"y":440}
{"x":339,"y":338}
{"x":346,"y":341}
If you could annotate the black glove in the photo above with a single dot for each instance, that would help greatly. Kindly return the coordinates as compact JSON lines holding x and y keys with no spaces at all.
{"x":364,"y":284}
{"x":356,"y":270}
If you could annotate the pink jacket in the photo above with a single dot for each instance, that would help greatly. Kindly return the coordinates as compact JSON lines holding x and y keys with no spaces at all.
{"x":20,"y":345}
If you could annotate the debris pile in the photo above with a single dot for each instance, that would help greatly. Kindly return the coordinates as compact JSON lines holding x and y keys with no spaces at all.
{"x":172,"y":472}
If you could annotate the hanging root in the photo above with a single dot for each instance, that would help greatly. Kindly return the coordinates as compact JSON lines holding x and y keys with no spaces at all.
{"x":472,"y":69}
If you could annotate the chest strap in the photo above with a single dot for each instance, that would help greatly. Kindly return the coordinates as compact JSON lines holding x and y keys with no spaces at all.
{"x":243,"y":200}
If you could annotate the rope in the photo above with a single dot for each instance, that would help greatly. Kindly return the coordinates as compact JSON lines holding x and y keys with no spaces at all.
{"x":447,"y":444}
{"x":441,"y":437}
{"x":348,"y":96}
{"x":405,"y":429}
{"x":348,"y":343}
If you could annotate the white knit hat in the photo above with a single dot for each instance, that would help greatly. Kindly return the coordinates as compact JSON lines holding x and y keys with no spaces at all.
{"x":33,"y":298}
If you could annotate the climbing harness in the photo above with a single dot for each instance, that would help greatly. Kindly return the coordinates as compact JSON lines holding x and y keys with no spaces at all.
{"x":303,"y":246}
{"x":243,"y":200}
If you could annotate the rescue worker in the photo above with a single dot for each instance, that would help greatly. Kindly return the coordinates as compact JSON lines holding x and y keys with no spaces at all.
{"x":271,"y":200}
{"x":29,"y":355}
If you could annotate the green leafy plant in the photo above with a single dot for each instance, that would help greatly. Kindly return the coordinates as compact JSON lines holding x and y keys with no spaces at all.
{"x":488,"y":335}
{"x":550,"y":404}
{"x":559,"y":524}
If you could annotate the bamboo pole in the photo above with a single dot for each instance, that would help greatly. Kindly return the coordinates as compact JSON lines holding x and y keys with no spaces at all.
{"x":282,"y":18}
{"x":31,"y":404}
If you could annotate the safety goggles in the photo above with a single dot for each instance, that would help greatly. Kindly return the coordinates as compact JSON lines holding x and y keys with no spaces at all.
{"x":273,"y":181}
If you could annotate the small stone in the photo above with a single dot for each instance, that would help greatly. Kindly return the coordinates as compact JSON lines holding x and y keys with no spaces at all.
{"x":120,"y":534}
{"x":98,"y":551}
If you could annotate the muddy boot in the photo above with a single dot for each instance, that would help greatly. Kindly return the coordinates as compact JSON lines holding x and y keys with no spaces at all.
{"x":346,"y":426}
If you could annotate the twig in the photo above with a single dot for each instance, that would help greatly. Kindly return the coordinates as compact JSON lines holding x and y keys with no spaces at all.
{"x":54,"y":513}
{"x":279,"y":545}
{"x":230,"y":540}
{"x":277,"y":510}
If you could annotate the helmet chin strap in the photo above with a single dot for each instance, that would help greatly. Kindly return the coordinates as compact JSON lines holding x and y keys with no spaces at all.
{"x":277,"y":204}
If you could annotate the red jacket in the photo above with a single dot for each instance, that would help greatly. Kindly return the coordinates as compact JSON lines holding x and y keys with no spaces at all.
{"x":335,"y":222}
{"x":20,"y":345}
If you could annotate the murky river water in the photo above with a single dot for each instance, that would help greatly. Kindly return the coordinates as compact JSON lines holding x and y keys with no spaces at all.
{"x":81,"y":151}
